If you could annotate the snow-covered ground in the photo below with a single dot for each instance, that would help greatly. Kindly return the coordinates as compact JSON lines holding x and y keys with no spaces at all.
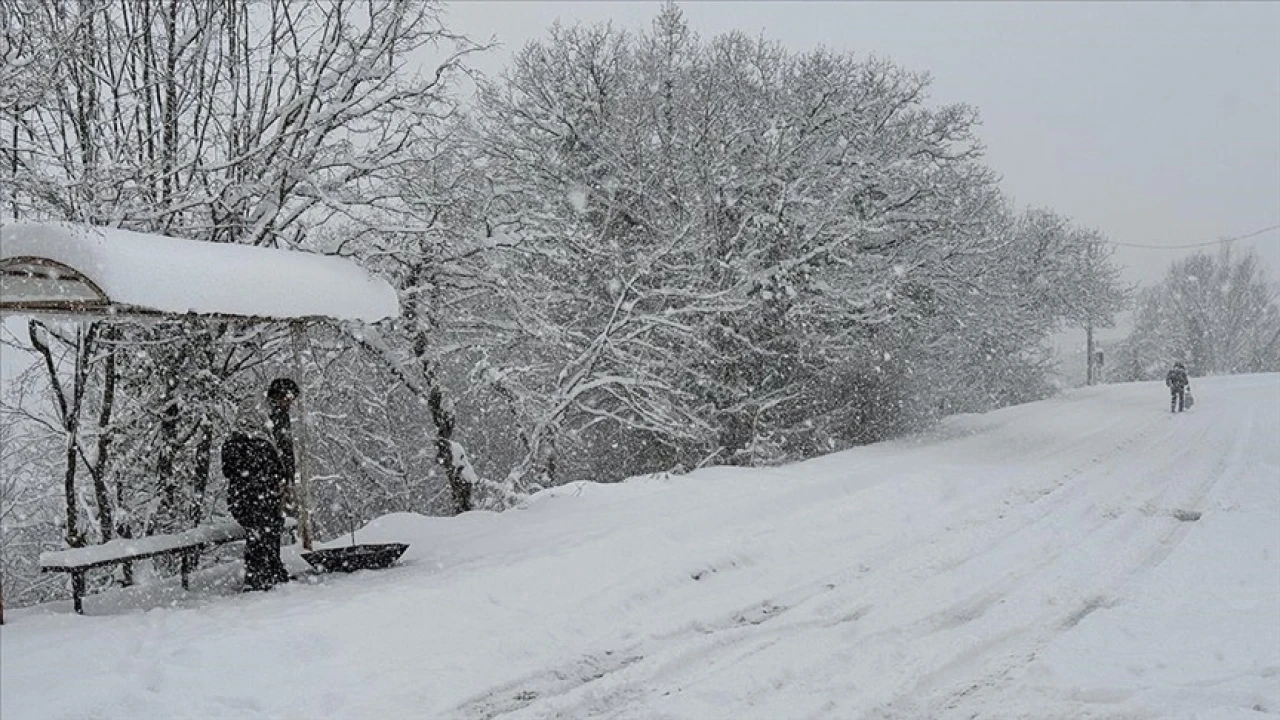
{"x":1090,"y":556}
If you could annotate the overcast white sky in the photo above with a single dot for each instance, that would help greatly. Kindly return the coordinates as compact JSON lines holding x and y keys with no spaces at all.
{"x":1157,"y":123}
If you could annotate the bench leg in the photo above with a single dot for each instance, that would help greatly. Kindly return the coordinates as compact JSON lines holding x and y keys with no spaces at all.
{"x":77,"y":591}
{"x":128,"y":573}
{"x":188,"y":564}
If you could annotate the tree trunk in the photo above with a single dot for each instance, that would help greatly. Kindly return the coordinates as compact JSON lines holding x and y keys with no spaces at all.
{"x":73,"y":536}
{"x":106,"y":519}
{"x":460,"y":489}
{"x":203,"y":462}
{"x":166,"y":464}
{"x":69,"y":412}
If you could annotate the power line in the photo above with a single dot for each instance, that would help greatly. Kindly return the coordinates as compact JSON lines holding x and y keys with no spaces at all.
{"x":1196,"y":245}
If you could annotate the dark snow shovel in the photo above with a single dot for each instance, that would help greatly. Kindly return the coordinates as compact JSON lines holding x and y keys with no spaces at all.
{"x":355,"y":557}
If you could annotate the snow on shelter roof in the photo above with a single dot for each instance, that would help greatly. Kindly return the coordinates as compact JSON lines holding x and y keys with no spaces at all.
{"x":84,"y":269}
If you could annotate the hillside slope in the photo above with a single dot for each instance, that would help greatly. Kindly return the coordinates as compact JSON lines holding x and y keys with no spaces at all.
{"x":1089,"y":556}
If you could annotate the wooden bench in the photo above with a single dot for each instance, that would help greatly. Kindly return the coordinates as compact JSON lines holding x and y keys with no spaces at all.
{"x":123,"y":551}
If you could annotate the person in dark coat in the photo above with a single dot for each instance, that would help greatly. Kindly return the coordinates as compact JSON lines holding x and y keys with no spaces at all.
{"x":1178,"y":384}
{"x":255,"y":483}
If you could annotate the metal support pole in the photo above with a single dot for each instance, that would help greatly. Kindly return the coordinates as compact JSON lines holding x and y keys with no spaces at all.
{"x":303,"y":490}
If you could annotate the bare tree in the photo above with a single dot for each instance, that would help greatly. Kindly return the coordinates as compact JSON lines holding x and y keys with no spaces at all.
{"x":220,"y":121}
{"x":708,"y":233}
{"x":1218,"y":313}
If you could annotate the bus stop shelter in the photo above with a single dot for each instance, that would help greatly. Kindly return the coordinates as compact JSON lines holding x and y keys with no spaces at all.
{"x":84,"y":272}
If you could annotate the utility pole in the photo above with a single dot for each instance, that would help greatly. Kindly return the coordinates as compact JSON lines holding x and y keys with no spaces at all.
{"x":1088,"y":352}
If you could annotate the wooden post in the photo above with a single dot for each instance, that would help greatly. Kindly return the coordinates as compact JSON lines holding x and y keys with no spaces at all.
{"x":303,"y":489}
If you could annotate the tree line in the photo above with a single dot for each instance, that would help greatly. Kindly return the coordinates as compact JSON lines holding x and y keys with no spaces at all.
{"x":631,"y":252}
{"x":1215,"y":312}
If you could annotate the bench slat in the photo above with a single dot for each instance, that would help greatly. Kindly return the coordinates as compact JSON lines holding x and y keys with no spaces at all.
{"x":125,"y":549}
{"x":78,"y":560}
{"x":122,"y":549}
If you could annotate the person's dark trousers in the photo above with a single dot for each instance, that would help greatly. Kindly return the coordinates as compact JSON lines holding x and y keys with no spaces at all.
{"x":1175,"y":401}
{"x":262,"y":565}
{"x":275,"y":565}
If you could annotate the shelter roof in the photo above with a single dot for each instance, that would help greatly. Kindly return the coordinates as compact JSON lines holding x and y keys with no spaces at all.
{"x":76,"y":269}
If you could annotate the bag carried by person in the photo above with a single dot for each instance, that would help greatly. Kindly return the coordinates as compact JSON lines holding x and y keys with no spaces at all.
{"x":1188,"y":400}
{"x":252,"y":468}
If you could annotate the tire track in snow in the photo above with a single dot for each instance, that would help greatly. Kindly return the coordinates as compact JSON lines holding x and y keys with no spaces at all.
{"x":557,"y":686}
{"x":1001,"y":657}
{"x":1038,"y":541}
{"x":952,"y":617}
{"x":526,"y":690}
{"x":979,"y":536}
{"x":670,"y":655}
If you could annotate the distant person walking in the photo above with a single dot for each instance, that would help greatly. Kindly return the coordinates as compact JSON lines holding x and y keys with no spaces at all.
{"x":1178,"y":383}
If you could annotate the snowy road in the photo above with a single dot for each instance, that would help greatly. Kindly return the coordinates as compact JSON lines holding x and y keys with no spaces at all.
{"x":1090,"y":556}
